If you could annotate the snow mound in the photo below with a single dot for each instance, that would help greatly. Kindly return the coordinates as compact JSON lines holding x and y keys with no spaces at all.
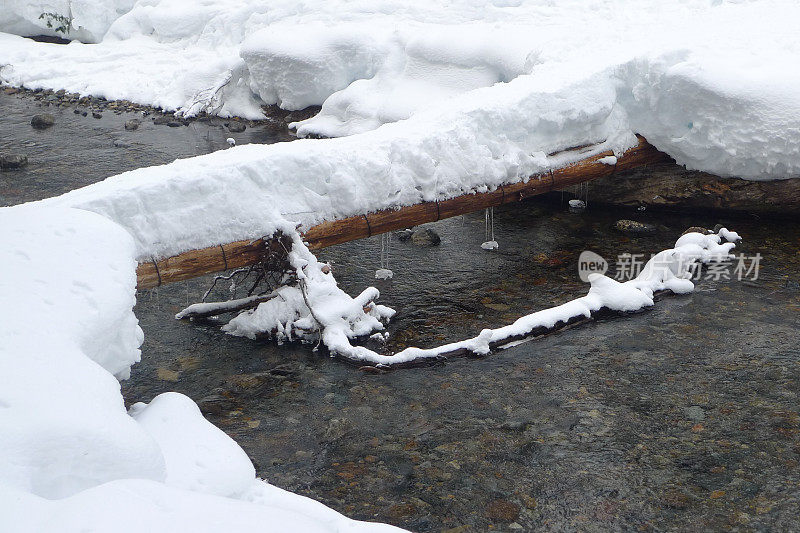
{"x":199,"y":456}
{"x":678,"y":73}
{"x":84,"y":20}
{"x":71,"y":454}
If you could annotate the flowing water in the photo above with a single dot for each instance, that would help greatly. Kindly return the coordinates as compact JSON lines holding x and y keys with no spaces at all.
{"x":683,"y":417}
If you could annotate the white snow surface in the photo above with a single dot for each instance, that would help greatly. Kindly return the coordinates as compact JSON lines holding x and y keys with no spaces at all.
{"x":73,"y":459}
{"x":714,"y":83}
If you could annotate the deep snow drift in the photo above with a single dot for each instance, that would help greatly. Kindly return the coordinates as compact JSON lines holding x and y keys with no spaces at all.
{"x":713,"y":83}
{"x":72,"y":458}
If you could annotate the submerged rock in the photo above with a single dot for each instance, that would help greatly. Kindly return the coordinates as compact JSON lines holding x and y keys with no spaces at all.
{"x":425,"y":237}
{"x":12,"y":161}
{"x":631,"y":226}
{"x":236,"y":127}
{"x":132,"y":124}
{"x":696,"y":229}
{"x":43,"y":121}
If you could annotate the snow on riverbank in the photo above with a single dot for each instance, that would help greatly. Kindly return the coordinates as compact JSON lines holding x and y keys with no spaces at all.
{"x":712,"y":83}
{"x":73,"y":459}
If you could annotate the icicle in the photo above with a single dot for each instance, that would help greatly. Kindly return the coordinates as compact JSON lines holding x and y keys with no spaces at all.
{"x":383,"y":272}
{"x":490,"y":243}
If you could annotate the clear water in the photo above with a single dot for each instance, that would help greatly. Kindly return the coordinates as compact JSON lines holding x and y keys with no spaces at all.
{"x":684,"y":417}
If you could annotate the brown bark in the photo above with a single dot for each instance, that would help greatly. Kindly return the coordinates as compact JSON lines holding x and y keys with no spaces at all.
{"x":196,"y":263}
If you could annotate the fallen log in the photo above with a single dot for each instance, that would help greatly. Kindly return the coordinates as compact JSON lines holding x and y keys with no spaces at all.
{"x":194,"y":263}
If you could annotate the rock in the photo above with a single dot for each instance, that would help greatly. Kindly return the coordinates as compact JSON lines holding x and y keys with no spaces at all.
{"x":43,"y":121}
{"x":669,"y":185}
{"x":132,"y":124}
{"x":163,"y":119}
{"x":425,"y":237}
{"x":631,"y":226}
{"x":215,"y":404}
{"x":174,"y":124}
{"x":236,"y":127}
{"x":697,"y":229}
{"x":95,"y":114}
{"x":12,"y":161}
{"x":121,"y":143}
{"x":502,"y":510}
{"x":338,"y":428}
{"x":302,"y":114}
{"x":695,"y":413}
{"x":403,"y":235}
{"x":675,"y":499}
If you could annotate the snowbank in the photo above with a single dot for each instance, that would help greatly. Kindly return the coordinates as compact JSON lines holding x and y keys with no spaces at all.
{"x":679,"y":73}
{"x":84,"y":20}
{"x":72,"y":455}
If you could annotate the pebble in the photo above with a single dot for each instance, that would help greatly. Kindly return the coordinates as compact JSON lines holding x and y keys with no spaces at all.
{"x":502,"y":510}
{"x":425,"y":237}
{"x":631,"y":226}
{"x":12,"y":161}
{"x":43,"y":121}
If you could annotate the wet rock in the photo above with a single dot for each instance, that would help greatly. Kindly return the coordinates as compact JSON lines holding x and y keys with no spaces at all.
{"x":236,"y":127}
{"x":631,"y":226}
{"x":174,"y":124}
{"x":403,"y":235}
{"x":670,"y":185}
{"x":95,"y":114}
{"x":425,"y":237}
{"x":132,"y":124}
{"x":696,"y":229}
{"x":401,"y":511}
{"x":338,"y":428}
{"x":163,"y":119}
{"x":695,"y":413}
{"x":675,"y":499}
{"x":12,"y":161}
{"x":43,"y":121}
{"x":502,"y":510}
{"x":121,"y":143}
{"x":302,"y":114}
{"x":215,"y":404}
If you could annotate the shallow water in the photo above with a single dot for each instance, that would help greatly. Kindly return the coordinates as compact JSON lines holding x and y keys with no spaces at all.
{"x":683,"y":417}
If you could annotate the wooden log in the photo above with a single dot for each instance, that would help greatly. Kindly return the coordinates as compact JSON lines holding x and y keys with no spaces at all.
{"x":194,"y":263}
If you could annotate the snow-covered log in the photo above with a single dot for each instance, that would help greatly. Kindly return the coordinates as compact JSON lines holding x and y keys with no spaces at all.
{"x":194,"y":263}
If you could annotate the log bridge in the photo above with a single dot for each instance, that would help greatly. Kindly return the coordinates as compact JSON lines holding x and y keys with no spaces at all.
{"x":195,"y":263}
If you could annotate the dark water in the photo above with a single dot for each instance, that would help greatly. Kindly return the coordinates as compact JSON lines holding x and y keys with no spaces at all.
{"x":685,"y":417}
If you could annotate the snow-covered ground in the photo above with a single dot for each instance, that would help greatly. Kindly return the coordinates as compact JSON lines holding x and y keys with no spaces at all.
{"x":714,"y":83}
{"x":73,"y":459}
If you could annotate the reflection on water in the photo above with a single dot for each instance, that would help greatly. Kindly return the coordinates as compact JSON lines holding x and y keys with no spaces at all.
{"x":684,"y":417}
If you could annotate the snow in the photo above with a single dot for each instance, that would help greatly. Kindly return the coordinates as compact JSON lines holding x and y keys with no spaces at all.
{"x":313,"y":308}
{"x":90,"y":19}
{"x":667,"y":270}
{"x":678,"y":73}
{"x":199,"y":457}
{"x":384,"y":273}
{"x":72,"y":455}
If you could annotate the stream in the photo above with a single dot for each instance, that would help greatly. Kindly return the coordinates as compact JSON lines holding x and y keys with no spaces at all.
{"x":684,"y":417}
